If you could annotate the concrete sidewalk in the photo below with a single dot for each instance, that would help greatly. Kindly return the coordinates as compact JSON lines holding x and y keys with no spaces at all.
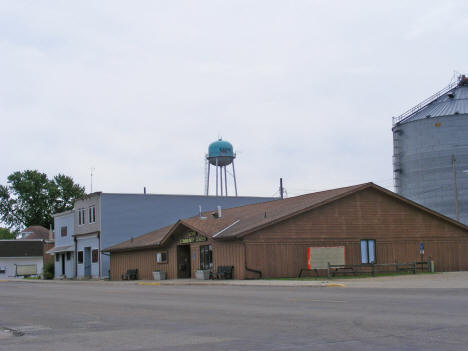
{"x":455,"y":280}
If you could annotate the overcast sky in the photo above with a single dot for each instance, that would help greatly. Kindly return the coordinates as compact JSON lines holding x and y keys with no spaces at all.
{"x":304,"y":90}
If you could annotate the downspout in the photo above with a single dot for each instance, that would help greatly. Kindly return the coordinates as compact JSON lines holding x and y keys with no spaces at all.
{"x":76,"y":257}
{"x":245,"y":263}
{"x":100,"y":231}
{"x":99,"y":253}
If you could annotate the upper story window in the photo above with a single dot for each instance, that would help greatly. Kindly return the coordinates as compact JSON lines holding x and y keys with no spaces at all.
{"x":63,"y":231}
{"x":81,"y":216}
{"x":92,"y":214}
{"x":367,"y":251}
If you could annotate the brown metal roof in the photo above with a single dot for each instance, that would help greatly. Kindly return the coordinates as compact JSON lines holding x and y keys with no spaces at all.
{"x":21,"y":248}
{"x":35,"y":232}
{"x":243,"y":220}
{"x":150,"y":239}
{"x":238,"y":221}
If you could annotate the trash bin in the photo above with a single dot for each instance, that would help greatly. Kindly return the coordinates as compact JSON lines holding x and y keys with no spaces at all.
{"x":203,"y":274}
{"x":159,"y":275}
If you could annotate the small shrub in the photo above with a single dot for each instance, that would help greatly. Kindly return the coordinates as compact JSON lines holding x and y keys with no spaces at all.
{"x":48,"y":270}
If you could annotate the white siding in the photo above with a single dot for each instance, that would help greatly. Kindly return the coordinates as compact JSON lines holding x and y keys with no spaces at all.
{"x":11,"y":262}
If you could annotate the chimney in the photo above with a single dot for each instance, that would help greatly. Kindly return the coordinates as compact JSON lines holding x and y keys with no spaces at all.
{"x":51,"y":233}
{"x":219,"y":212}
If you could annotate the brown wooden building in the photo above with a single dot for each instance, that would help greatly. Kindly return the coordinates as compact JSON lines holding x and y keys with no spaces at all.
{"x":372,"y":224}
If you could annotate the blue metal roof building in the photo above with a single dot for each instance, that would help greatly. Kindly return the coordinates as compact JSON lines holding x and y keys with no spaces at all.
{"x":105,"y":219}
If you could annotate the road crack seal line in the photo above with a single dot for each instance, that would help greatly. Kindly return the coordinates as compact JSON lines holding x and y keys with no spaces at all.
{"x":11,"y":331}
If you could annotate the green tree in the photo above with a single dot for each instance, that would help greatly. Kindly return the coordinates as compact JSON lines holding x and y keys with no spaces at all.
{"x":30,"y":198}
{"x":6,"y":234}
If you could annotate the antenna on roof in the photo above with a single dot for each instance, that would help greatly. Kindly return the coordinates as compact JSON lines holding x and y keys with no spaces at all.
{"x":92,"y":172}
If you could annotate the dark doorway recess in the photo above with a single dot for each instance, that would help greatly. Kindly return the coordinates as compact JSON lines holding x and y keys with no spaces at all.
{"x":183,"y":262}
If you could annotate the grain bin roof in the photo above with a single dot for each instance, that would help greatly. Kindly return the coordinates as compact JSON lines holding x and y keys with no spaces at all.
{"x":450,"y":101}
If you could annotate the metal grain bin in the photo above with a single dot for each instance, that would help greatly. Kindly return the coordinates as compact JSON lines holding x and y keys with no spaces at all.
{"x":430,"y":144}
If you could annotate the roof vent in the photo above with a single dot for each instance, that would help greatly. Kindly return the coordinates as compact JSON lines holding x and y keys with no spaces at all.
{"x":217,"y":214}
{"x":200,"y":212}
{"x":451,"y":95}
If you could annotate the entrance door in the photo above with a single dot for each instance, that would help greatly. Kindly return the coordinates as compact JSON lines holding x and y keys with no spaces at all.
{"x":183,"y":262}
{"x":63,"y":264}
{"x":87,"y":262}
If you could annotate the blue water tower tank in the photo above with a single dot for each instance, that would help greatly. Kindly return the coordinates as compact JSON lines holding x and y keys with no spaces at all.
{"x":220,"y":153}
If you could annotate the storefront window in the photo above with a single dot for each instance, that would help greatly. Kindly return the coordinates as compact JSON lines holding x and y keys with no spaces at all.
{"x":161,"y":257}
{"x":206,"y":257}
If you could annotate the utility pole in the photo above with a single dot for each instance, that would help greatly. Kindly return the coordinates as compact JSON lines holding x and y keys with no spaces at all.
{"x":455,"y":189}
{"x":281,"y":188}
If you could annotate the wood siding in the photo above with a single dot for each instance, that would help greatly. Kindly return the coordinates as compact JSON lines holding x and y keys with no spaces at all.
{"x":397,"y":227}
{"x":224,"y":253}
{"x":280,"y":250}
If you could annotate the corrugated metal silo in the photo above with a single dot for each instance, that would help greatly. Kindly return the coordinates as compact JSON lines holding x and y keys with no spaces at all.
{"x":430,"y":144}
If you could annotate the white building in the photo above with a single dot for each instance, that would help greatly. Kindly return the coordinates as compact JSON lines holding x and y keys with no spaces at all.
{"x":20,"y":258}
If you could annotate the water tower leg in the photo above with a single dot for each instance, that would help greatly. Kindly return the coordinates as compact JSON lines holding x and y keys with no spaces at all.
{"x":234,"y":175}
{"x":225,"y":180}
{"x":216,"y":176}
{"x":221,"y":178}
{"x":207,"y":190}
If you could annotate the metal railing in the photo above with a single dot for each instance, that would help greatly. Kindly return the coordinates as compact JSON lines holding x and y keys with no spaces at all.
{"x":424,"y":103}
{"x":373,"y":268}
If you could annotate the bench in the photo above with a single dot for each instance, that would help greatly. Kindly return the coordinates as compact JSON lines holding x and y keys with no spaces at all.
{"x":224,"y":272}
{"x":342,"y":270}
{"x":132,"y":274}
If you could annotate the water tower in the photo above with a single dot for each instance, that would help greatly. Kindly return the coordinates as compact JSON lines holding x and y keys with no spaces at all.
{"x":220,"y":155}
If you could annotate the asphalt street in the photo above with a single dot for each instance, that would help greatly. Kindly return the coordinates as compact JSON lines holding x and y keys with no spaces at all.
{"x":111,"y":316}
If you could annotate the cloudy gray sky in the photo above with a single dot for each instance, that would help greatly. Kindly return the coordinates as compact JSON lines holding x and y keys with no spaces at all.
{"x":305,"y":90}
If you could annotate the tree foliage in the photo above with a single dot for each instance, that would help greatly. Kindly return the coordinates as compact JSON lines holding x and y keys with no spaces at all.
{"x":30,"y":198}
{"x":5,"y":233}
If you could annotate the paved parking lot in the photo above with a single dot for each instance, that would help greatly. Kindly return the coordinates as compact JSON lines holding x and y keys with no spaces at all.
{"x":122,"y":316}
